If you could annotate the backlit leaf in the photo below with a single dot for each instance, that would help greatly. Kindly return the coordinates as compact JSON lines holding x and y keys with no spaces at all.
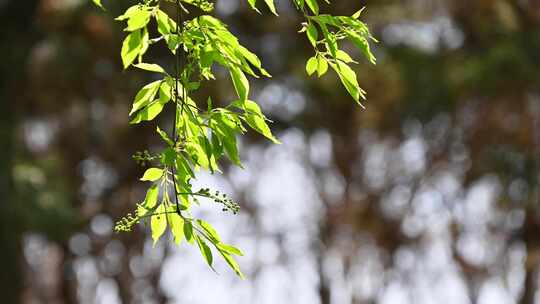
{"x":158,"y":223}
{"x":152,"y":174}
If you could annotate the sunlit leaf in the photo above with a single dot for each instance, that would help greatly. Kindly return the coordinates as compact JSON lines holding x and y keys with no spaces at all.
{"x":152,"y":174}
{"x":312,"y":34}
{"x":158,"y":223}
{"x":230,"y":249}
{"x":322,"y":66}
{"x":99,"y":4}
{"x":205,"y":250}
{"x":313,"y":6}
{"x":177,"y":227}
{"x":150,"y":67}
{"x":130,"y":48}
{"x":240,"y":82}
{"x":271,"y":6}
{"x":232,"y":263}
{"x":145,"y":96}
{"x":311,"y":65}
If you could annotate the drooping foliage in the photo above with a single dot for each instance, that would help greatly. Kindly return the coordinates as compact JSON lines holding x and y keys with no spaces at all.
{"x":202,"y":133}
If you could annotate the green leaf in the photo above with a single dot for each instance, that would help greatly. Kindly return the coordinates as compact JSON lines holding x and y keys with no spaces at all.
{"x":152,"y":174}
{"x":165,"y":24}
{"x":149,"y":202}
{"x":150,"y":67}
{"x":158,"y":223}
{"x":311,"y":65}
{"x":253,"y":59}
{"x":98,"y":4}
{"x":138,"y":19}
{"x":165,"y":137}
{"x":145,"y":96}
{"x":240,"y":82}
{"x":348,"y":78}
{"x":358,"y":13}
{"x":256,"y":120}
{"x":204,"y":5}
{"x":151,"y":197}
{"x":341,"y":55}
{"x":197,"y":154}
{"x":177,"y":227}
{"x":322,"y":66}
{"x":188,"y":232}
{"x":224,"y":127}
{"x":153,"y":108}
{"x":329,"y":38}
{"x":312,"y":34}
{"x":230,"y":249}
{"x":252,"y":3}
{"x":131,"y":48}
{"x":132,"y":10}
{"x":362,"y":44}
{"x":271,"y":6}
{"x":313,"y":6}
{"x":205,"y":250}
{"x":149,"y":112}
{"x":145,"y":43}
{"x":211,"y":232}
{"x":232,"y":263}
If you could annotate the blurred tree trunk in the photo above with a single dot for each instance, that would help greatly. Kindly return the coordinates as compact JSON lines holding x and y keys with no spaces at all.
{"x":10,"y":235}
{"x":529,"y":288}
{"x":14,"y":47}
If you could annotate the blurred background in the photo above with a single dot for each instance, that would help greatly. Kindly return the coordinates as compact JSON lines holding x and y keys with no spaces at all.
{"x":430,"y":195}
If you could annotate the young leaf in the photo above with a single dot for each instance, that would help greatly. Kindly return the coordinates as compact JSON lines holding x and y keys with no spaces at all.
{"x":341,"y":55}
{"x":98,"y":4}
{"x":188,"y":232}
{"x":313,"y":6}
{"x":211,"y":232}
{"x":322,"y":66}
{"x":145,"y":96}
{"x":358,"y":13}
{"x":165,"y":24}
{"x":252,"y":4}
{"x":152,"y":174}
{"x":348,"y":78}
{"x":177,"y":227}
{"x":150,"y":67}
{"x":232,"y":263}
{"x":151,"y":197}
{"x":312,"y":34}
{"x":271,"y":6}
{"x":256,"y":120}
{"x":145,"y":44}
{"x":158,"y":223}
{"x":132,"y":10}
{"x":138,"y":20}
{"x":241,"y":84}
{"x":362,"y":44}
{"x":131,"y":48}
{"x":230,"y":249}
{"x":148,"y":113}
{"x":311,"y":65}
{"x":165,"y":137}
{"x":205,"y":250}
{"x":227,"y":136}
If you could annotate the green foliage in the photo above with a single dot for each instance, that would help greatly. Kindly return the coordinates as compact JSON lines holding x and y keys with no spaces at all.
{"x":200,"y":138}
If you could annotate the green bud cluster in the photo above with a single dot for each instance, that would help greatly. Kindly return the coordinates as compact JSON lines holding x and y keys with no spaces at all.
{"x":221,"y":198}
{"x":126,"y":223}
{"x":143,"y":158}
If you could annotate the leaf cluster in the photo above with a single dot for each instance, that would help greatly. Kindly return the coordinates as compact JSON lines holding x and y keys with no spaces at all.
{"x":203,"y":135}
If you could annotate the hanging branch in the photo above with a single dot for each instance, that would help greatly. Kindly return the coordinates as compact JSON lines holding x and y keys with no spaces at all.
{"x":201,"y":138}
